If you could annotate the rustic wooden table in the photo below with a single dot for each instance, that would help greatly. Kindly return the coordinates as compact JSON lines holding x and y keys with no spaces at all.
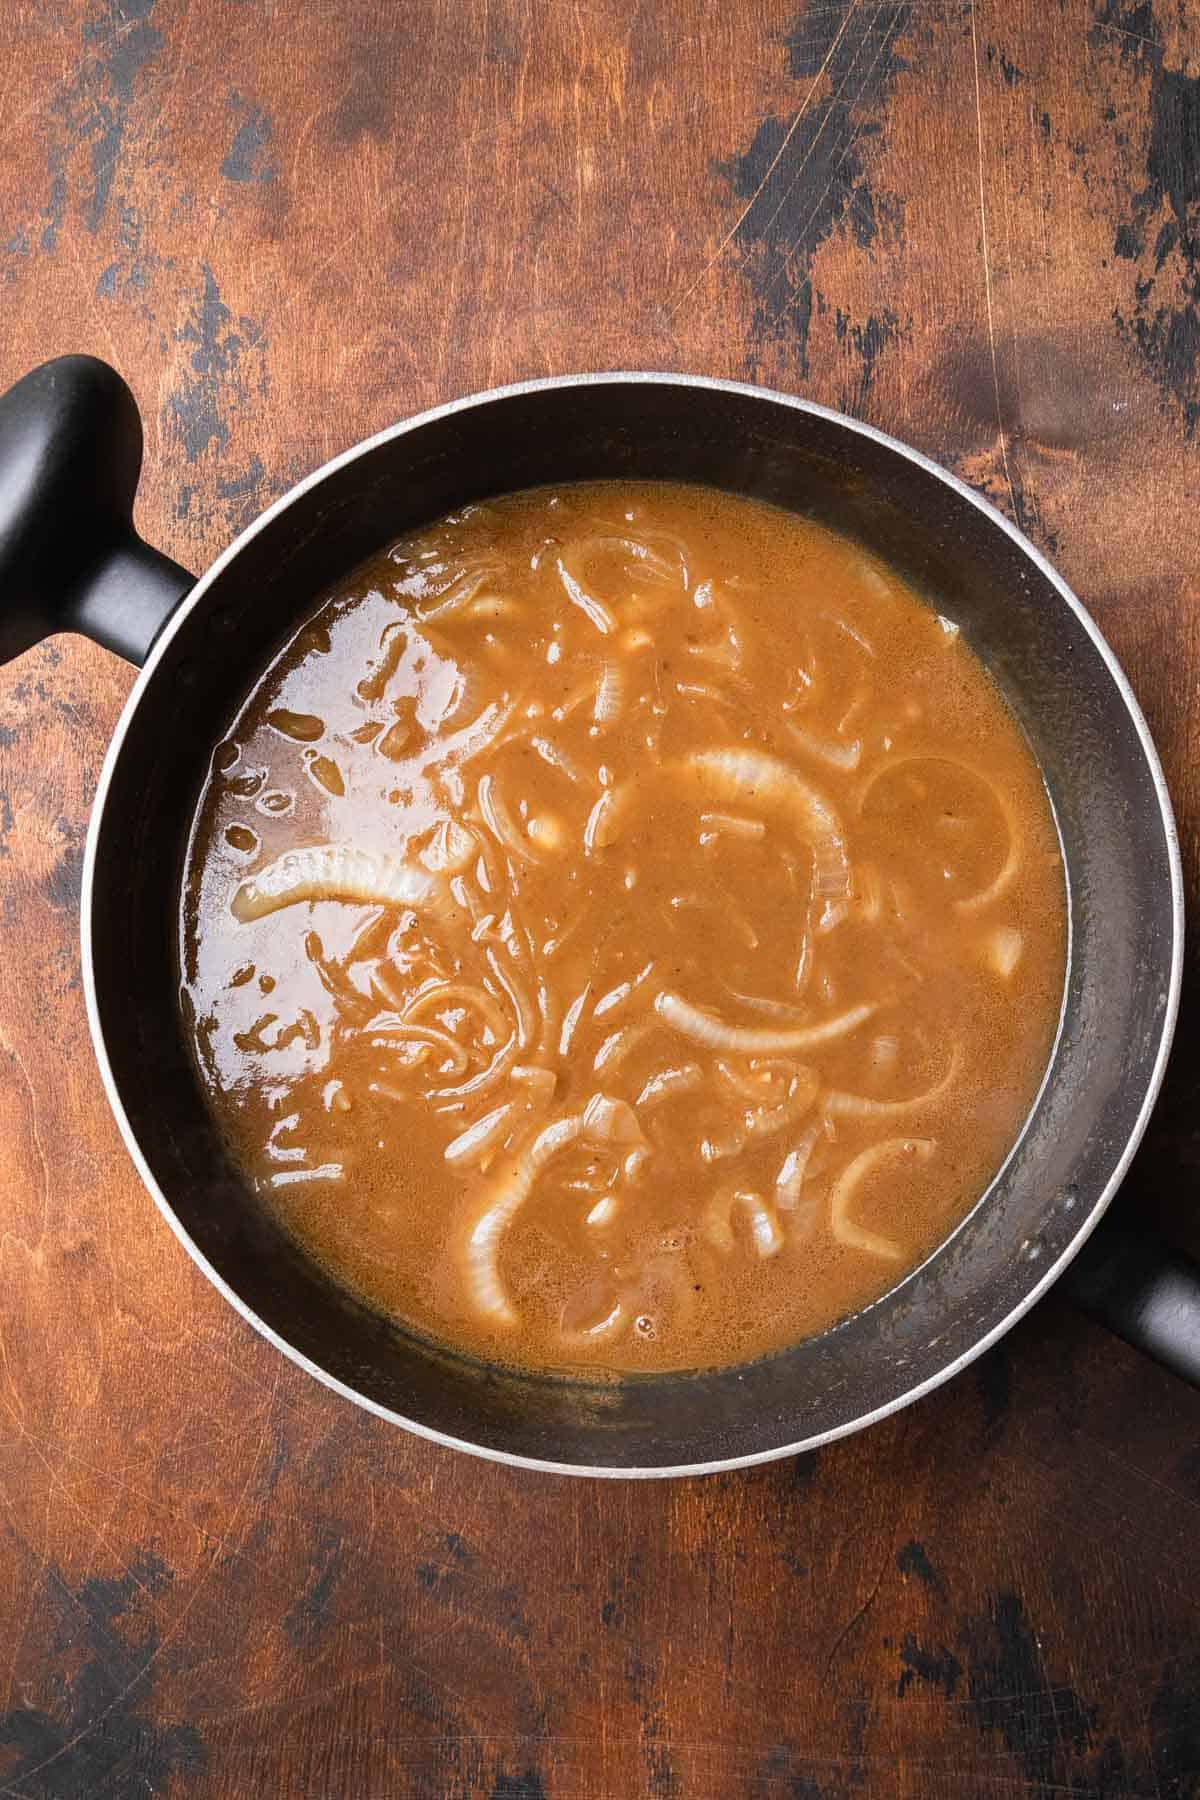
{"x":289,"y":224}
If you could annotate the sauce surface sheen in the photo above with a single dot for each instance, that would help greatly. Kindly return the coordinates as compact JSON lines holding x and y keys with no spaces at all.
{"x":624,"y":929}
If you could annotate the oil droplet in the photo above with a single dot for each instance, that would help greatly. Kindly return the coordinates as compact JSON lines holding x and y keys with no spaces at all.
{"x":248,"y":785}
{"x":276,"y":802}
{"x":305,"y":728}
{"x":240,"y":837}
{"x":327,"y":775}
{"x":241,"y":976}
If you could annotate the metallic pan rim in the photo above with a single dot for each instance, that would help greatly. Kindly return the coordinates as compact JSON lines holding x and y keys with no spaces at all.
{"x":997,"y":519}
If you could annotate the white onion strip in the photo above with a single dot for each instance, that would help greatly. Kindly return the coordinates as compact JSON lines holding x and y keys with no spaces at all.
{"x":794,"y":1170}
{"x":509,"y":1192}
{"x":465,"y":993}
{"x":1007,"y":873}
{"x":480,"y":1137}
{"x":610,"y":694}
{"x":601,"y":829}
{"x":712,"y":1033}
{"x":558,"y":759}
{"x":752,"y":775}
{"x":572,"y":1019}
{"x":339,"y":872}
{"x":843,"y":757}
{"x":845,"y":1189}
{"x":523,"y":1011}
{"x":386,"y":1034}
{"x":733,"y":824}
{"x":593,"y":609}
{"x":617,"y":1046}
{"x":660,"y":1086}
{"x":837,"y":1105}
{"x":501,"y":823}
{"x":764,"y":1231}
{"x":603,"y":1121}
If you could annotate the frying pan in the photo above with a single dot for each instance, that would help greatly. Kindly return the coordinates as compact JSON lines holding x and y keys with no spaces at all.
{"x":70,"y":456}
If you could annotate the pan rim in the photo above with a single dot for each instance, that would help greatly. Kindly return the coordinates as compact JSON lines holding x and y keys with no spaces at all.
{"x":1086,"y":1224}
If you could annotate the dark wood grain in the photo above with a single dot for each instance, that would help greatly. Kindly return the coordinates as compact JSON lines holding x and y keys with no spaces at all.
{"x":977,"y":226}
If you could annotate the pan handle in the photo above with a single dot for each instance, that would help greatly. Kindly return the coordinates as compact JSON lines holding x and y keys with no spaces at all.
{"x":1144,"y":1290}
{"x":70,"y":559}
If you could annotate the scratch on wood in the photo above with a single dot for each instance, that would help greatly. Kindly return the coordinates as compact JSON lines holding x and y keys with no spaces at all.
{"x":802,"y":110}
{"x":802,"y":239}
{"x":987,"y":266}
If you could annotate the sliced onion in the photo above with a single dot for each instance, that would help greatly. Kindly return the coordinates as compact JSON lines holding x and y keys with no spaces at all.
{"x":603,"y":825}
{"x":773,"y":1009}
{"x":501,"y":823}
{"x":610,"y":1121}
{"x":836,"y":1105}
{"x":461,"y":746}
{"x":764,"y":1231}
{"x":794,"y":1170}
{"x":485,"y":1079}
{"x":550,"y":1008}
{"x":712,"y":1033}
{"x":733,"y":824}
{"x":843,"y":757}
{"x":660,"y":1086}
{"x":1003,"y":949}
{"x":339,"y":872}
{"x":388,"y":1035}
{"x":571,"y":1020}
{"x":702,"y":690}
{"x":523,"y":1010}
{"x":602,"y":1121}
{"x":743,"y":774}
{"x":450,"y":847}
{"x":539,"y":1081}
{"x":610,"y":695}
{"x":616,"y":997}
{"x":480,"y":1137}
{"x":600,"y":615}
{"x":288,"y":1177}
{"x":846,"y":1187}
{"x":848,"y":630}
{"x":508,"y":1194}
{"x":764,"y":1121}
{"x":459,"y":593}
{"x":1007,"y":873}
{"x":558,"y":759}
{"x":465,"y":993}
{"x":617,"y":1046}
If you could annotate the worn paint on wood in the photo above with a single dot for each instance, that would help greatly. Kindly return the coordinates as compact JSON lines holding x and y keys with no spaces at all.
{"x":975,"y":225}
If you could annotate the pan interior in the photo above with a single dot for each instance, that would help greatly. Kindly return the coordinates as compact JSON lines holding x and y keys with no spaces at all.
{"x":1051,"y":668}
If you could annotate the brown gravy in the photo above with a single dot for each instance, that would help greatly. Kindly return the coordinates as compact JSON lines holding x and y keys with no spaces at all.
{"x":623,"y":929}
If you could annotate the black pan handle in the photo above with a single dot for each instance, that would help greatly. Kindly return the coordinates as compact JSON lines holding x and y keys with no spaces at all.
{"x":70,"y":559}
{"x":1144,"y":1290}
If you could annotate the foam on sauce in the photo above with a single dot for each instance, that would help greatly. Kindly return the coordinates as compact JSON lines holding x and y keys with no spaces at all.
{"x":624,"y":928}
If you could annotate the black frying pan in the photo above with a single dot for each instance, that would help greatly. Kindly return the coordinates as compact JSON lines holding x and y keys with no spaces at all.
{"x":70,"y":454}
